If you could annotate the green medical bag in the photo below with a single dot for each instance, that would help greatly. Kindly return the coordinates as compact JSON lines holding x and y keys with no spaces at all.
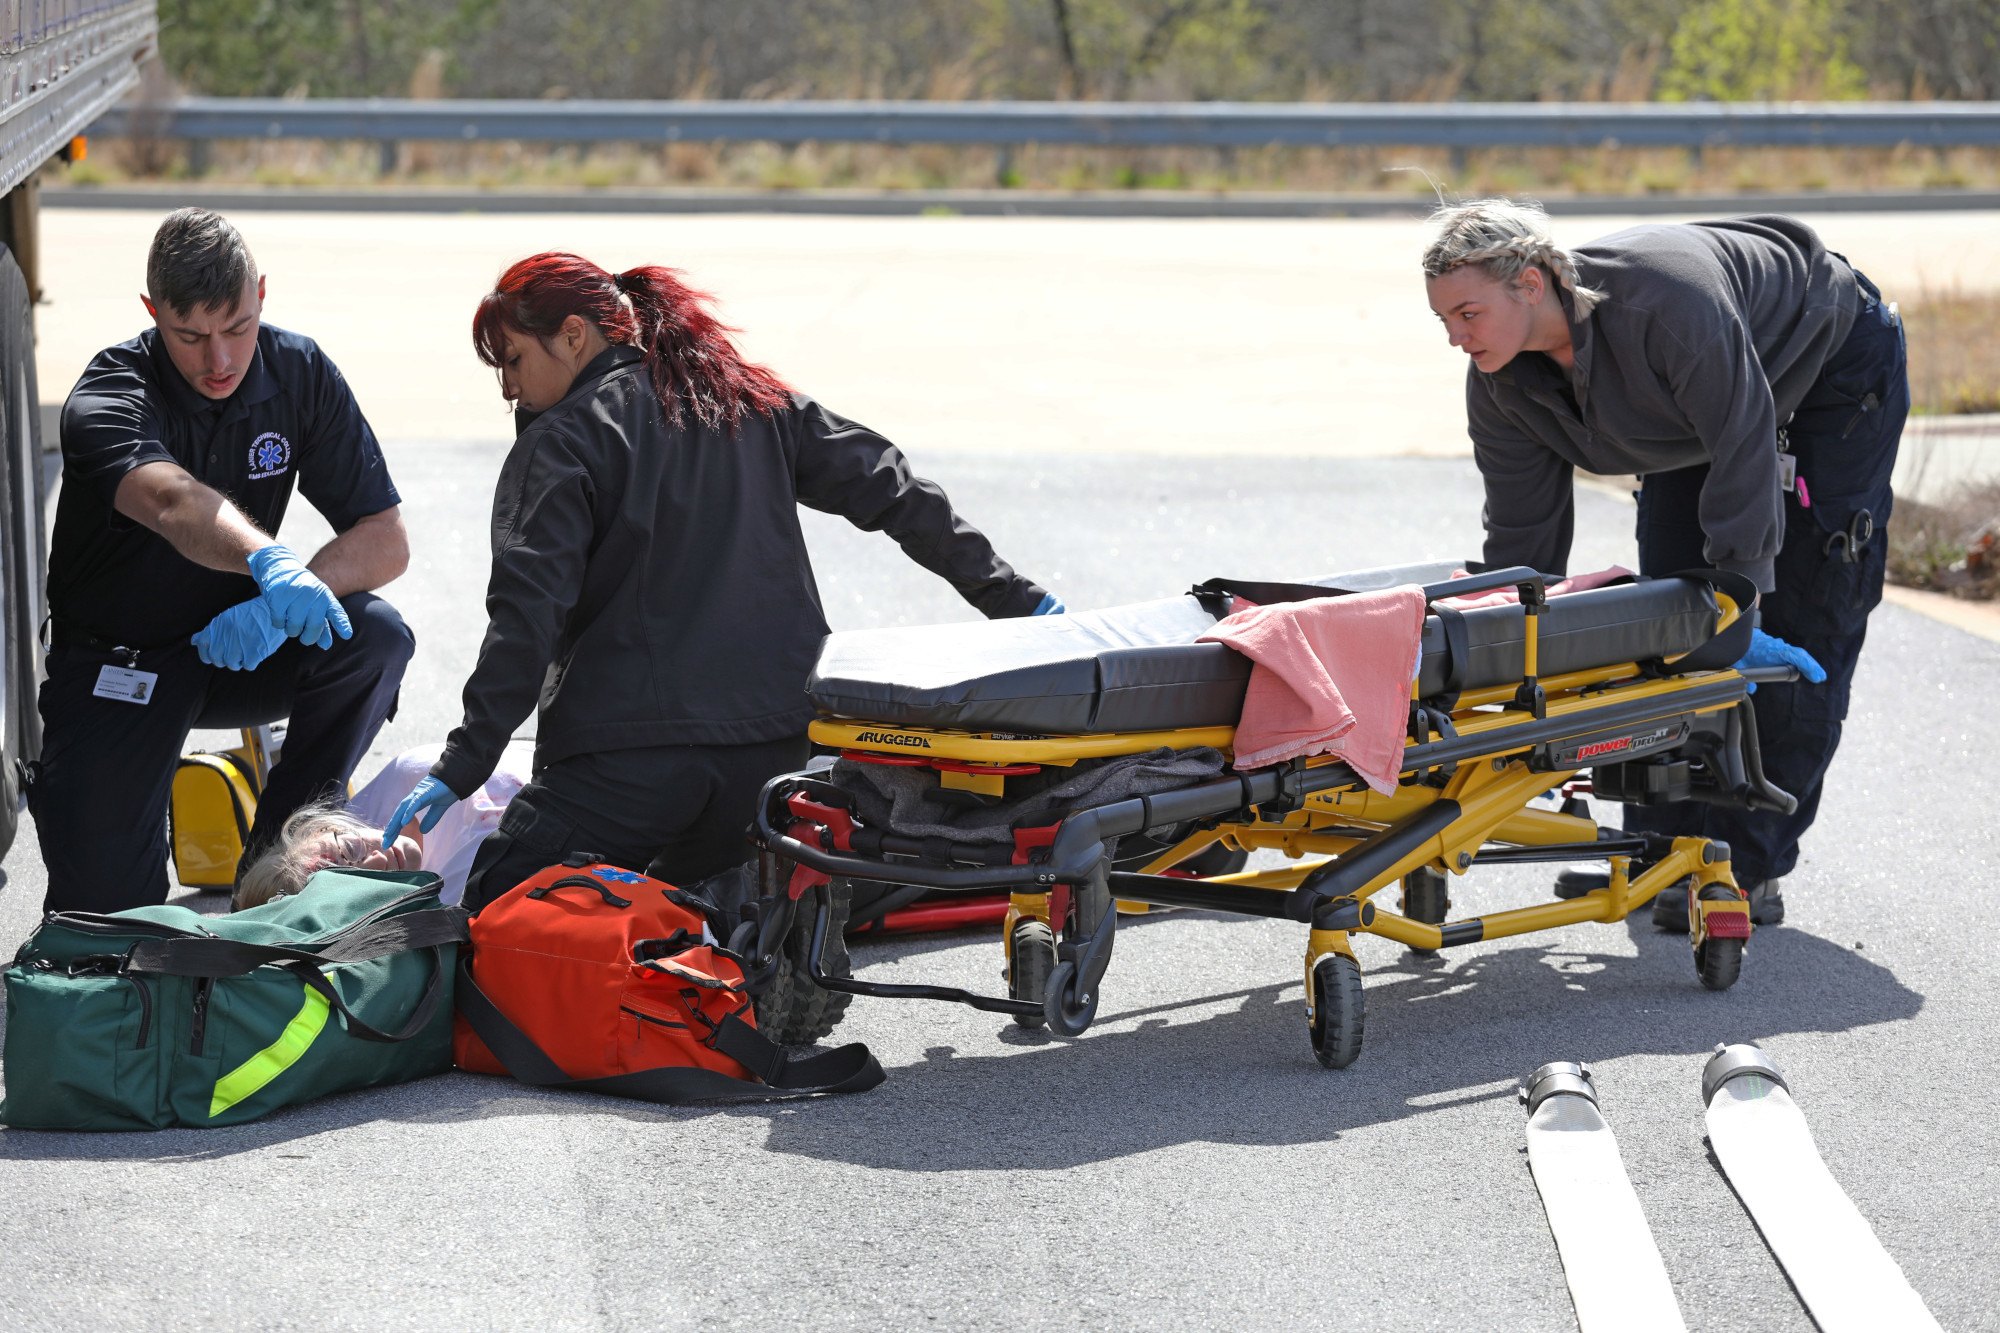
{"x":161,"y":1016}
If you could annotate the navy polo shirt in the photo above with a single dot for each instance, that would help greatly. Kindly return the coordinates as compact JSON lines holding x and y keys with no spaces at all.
{"x":292,"y":419}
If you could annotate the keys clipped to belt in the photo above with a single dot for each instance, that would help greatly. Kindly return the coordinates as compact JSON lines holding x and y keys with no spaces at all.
{"x":1851,"y":541}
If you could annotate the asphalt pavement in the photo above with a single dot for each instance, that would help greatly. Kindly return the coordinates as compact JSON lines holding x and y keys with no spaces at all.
{"x":1185,"y":1164}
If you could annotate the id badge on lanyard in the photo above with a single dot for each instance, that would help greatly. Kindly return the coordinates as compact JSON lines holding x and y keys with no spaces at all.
{"x":126,"y":684}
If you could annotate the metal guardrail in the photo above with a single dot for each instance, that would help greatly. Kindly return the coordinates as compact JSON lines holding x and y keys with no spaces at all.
{"x":1456,"y":126}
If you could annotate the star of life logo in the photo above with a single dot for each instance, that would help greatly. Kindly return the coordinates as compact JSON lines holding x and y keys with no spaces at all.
{"x":270,"y":454}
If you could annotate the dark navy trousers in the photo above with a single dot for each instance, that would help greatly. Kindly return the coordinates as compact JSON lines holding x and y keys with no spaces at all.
{"x":679,"y":813}
{"x":1829,"y":577}
{"x":100,"y":791}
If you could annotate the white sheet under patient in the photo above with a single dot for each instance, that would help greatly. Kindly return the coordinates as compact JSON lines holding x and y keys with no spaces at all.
{"x":450,"y":847}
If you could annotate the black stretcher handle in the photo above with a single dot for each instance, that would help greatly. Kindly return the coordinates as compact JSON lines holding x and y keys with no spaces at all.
{"x":1269,"y":594}
{"x":1513,"y":576}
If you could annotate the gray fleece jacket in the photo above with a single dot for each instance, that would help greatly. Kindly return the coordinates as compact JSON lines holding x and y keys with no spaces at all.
{"x":1709,"y":335}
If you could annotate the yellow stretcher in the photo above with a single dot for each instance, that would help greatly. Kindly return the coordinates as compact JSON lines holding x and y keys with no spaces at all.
{"x":1630,"y":684}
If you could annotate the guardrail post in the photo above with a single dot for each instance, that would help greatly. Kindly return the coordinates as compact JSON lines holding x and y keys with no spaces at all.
{"x":385,"y":161}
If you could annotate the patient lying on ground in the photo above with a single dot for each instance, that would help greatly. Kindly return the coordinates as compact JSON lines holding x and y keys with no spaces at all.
{"x":349,"y":833}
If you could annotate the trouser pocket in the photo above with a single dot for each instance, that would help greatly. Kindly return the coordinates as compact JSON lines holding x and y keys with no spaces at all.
{"x":1844,"y":438}
{"x":1826,"y":582}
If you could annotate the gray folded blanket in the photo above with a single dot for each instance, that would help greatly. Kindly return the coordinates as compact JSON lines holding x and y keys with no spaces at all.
{"x":905,"y":799}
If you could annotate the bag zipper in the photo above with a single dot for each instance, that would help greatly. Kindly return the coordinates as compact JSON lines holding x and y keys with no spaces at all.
{"x":145,"y":1007}
{"x":199,"y":1027}
{"x":106,"y":966}
{"x":657,"y":1022}
{"x":92,"y":924}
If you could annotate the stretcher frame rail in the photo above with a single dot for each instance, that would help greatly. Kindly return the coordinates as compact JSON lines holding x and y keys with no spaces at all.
{"x":1079,"y":844}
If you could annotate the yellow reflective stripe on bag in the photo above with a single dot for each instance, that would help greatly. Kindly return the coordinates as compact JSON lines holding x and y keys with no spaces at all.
{"x":274,"y":1059}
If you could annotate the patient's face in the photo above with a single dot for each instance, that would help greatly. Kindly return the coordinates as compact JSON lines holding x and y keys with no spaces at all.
{"x":363,"y":850}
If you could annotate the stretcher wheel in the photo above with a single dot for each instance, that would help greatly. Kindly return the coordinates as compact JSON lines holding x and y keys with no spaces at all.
{"x":1060,"y":1007}
{"x":1427,"y":898}
{"x":1033,"y":951}
{"x":1338,"y":1011}
{"x":793,"y":1011}
{"x":1718,"y":962}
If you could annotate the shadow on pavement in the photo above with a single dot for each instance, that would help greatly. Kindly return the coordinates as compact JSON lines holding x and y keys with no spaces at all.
{"x":1438,"y":1035}
{"x":1229,"y":1065}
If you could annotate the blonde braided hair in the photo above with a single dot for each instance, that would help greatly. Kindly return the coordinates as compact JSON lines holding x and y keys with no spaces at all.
{"x":1505,"y":238}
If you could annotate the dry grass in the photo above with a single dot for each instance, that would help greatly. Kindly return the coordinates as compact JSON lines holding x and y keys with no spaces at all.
{"x":1954,"y":341}
{"x":1952,"y":547}
{"x":1549,"y":173}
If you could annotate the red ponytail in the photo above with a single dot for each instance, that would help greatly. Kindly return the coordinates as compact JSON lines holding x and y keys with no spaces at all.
{"x":694,"y":367}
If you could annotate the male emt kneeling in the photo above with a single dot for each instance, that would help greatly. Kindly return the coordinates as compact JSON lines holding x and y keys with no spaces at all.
{"x":170,"y":605}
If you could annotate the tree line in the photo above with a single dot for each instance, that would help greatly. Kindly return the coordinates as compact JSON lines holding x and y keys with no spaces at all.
{"x":1252,"y":50}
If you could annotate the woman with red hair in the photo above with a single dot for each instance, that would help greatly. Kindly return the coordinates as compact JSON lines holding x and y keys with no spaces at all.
{"x":651,"y":590}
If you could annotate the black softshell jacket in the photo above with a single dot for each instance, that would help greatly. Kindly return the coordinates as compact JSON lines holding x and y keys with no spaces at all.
{"x":650,"y":583}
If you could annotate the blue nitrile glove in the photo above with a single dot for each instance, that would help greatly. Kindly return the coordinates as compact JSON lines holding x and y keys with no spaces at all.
{"x":240,"y":638}
{"x":1050,"y":605}
{"x":429,"y":798}
{"x":1768,"y":650}
{"x":298,"y":603}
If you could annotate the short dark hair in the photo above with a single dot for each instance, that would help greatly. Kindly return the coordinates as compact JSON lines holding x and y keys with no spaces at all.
{"x":198,"y":260}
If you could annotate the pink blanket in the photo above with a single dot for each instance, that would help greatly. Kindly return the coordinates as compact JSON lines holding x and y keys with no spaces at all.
{"x":1330,"y":676}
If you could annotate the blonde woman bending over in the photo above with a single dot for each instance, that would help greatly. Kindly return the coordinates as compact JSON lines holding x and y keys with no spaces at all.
{"x":1756,"y":382}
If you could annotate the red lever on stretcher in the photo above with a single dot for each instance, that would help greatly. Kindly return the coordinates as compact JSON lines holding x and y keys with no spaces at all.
{"x":1028,"y":841}
{"x":828,"y":826}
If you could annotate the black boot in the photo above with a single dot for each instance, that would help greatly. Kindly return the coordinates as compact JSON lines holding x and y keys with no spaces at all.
{"x":1767,"y":905}
{"x":1577,"y":880}
{"x":1670,"y":908}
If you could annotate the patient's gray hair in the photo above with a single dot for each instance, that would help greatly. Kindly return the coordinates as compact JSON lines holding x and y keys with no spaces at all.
{"x":296,"y":855}
{"x":1505,"y":238}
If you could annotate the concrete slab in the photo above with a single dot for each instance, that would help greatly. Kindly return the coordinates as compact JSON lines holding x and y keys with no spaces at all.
{"x":1249,"y":337}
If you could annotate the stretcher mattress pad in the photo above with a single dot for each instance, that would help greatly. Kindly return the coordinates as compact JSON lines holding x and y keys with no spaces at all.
{"x":1138,"y":667}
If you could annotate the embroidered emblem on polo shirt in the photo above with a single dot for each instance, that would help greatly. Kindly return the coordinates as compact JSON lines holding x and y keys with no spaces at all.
{"x":270,"y":454}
